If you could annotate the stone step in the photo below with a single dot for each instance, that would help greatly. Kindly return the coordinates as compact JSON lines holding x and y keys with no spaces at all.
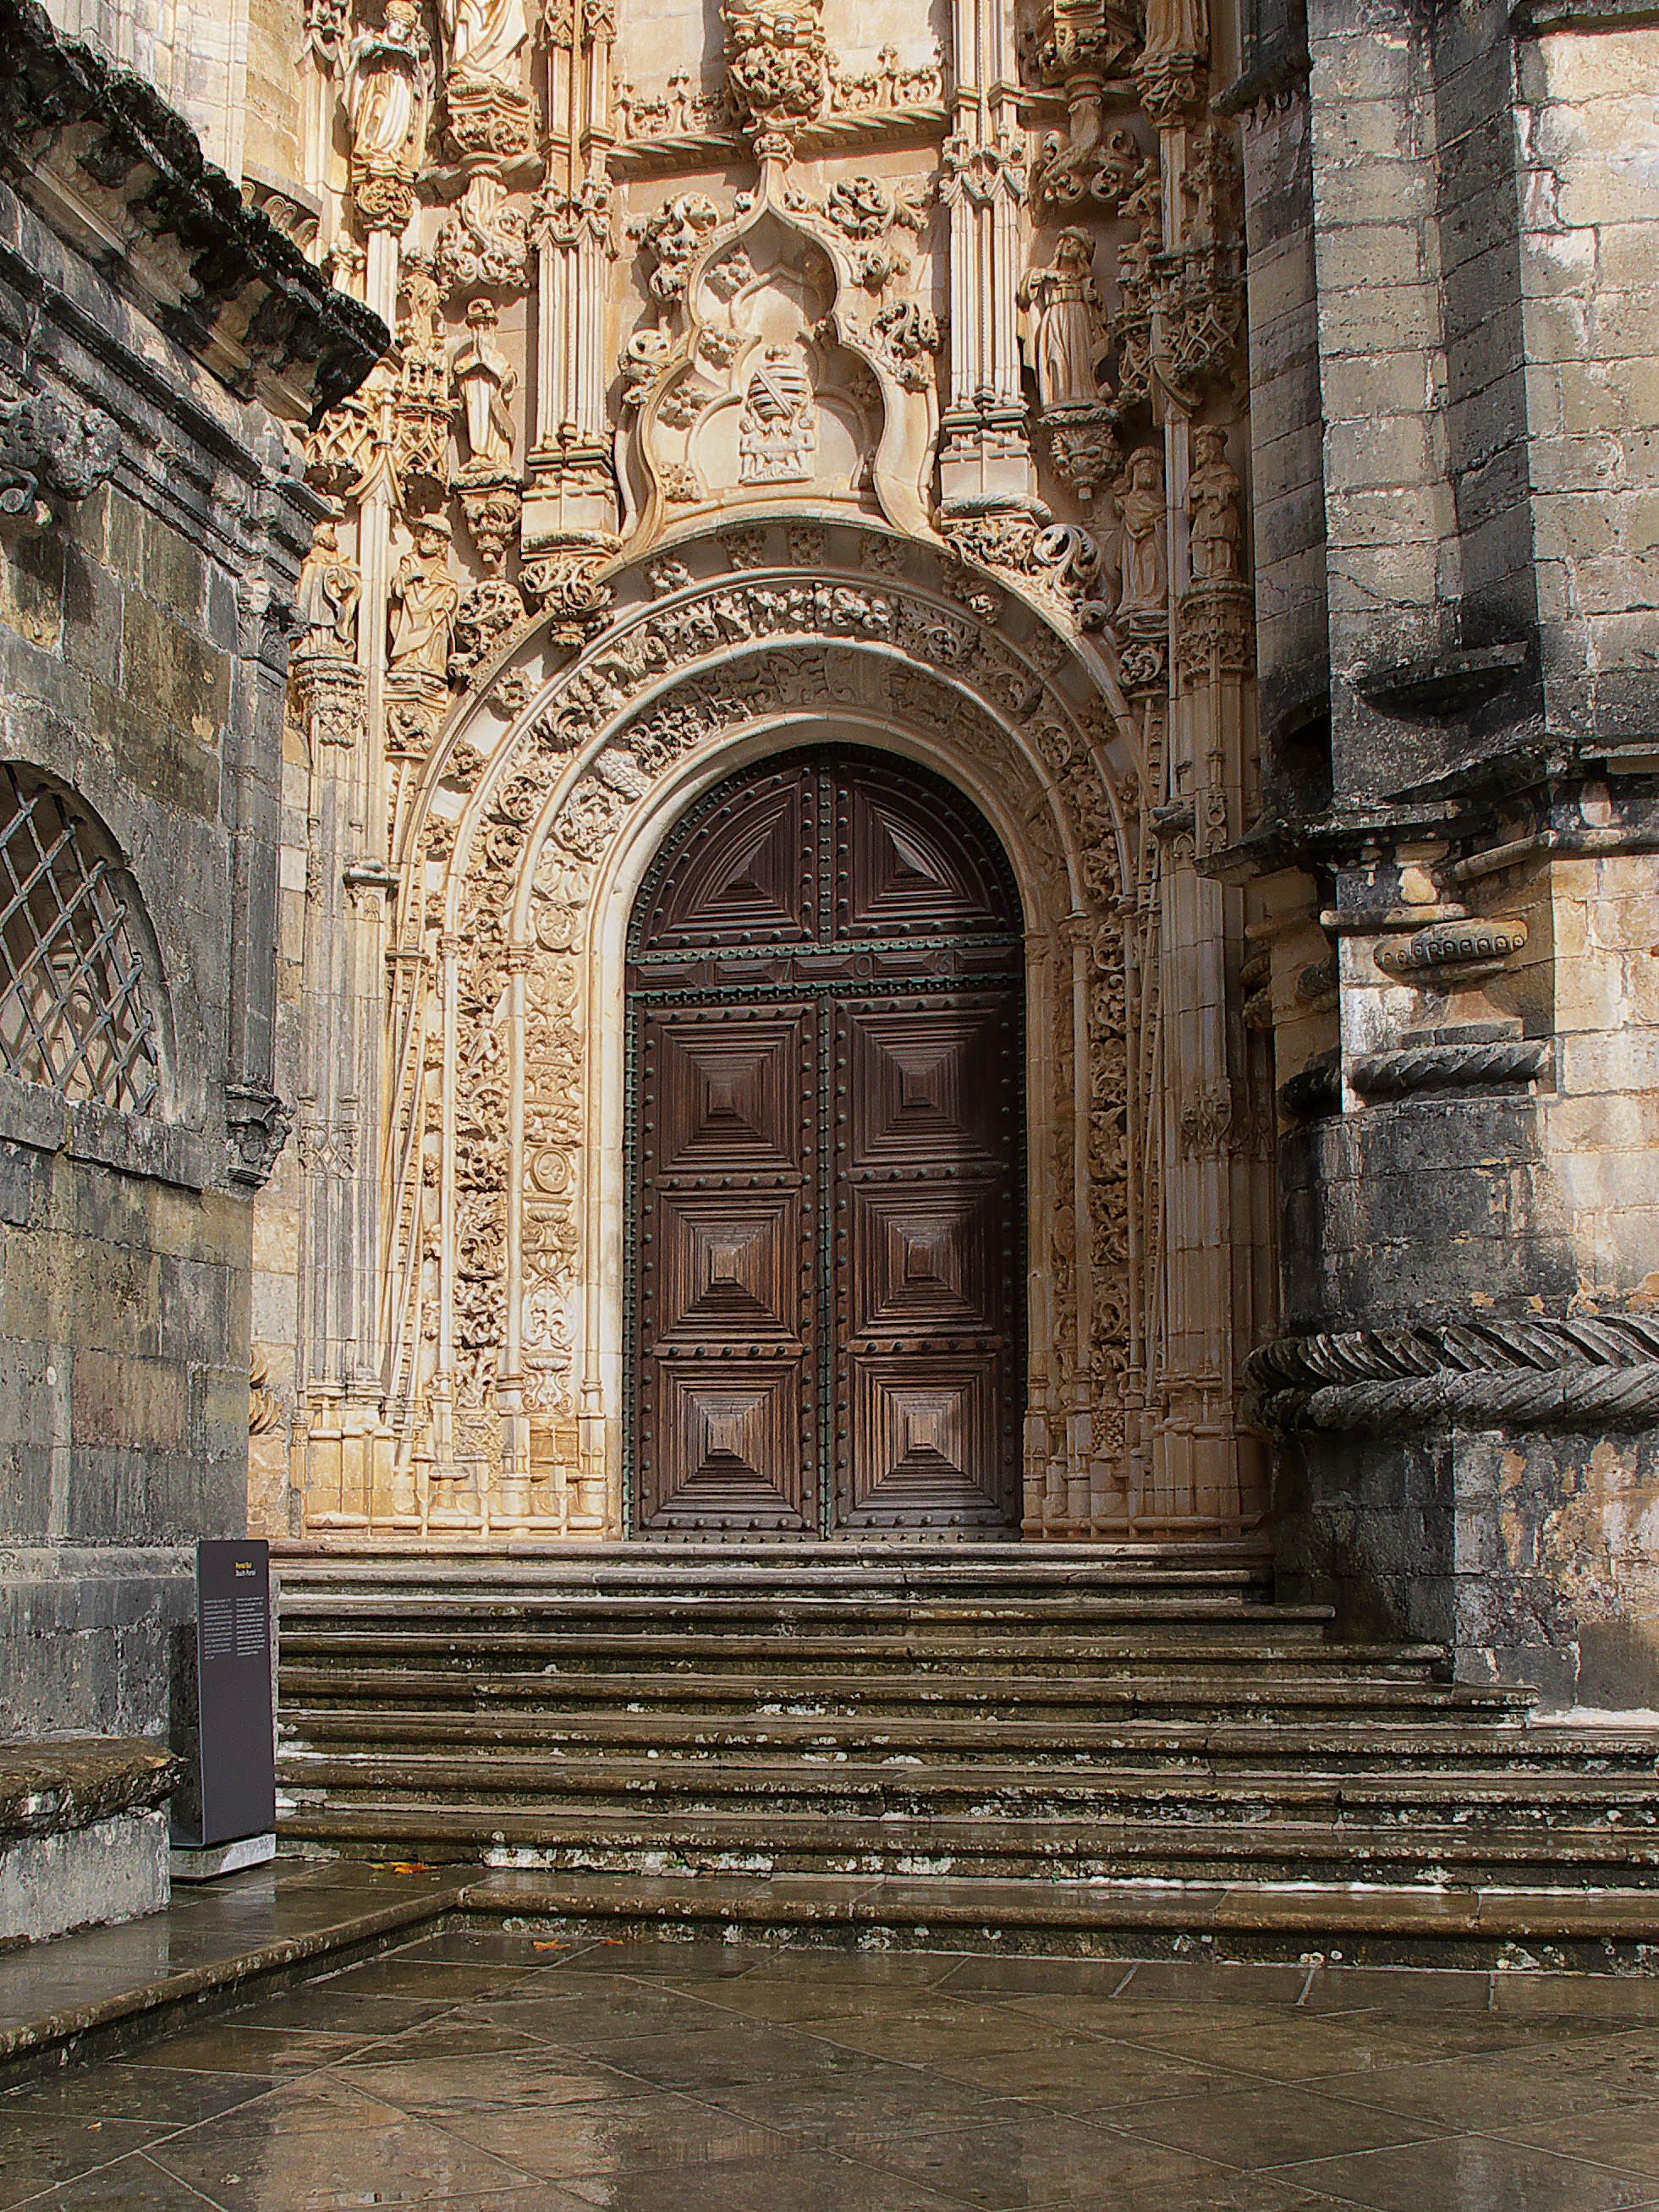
{"x":905,"y":1786}
{"x":483,"y":1647}
{"x":861,"y":1734}
{"x":358,"y":1698}
{"x":874,"y":1560}
{"x":1055,"y":1849}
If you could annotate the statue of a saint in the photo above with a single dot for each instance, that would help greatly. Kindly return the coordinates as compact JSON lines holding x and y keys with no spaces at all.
{"x":1067,"y":323}
{"x":1177,"y":31}
{"x":1144,"y":558}
{"x":482,"y":39}
{"x":425,"y":596}
{"x":387,"y":87}
{"x":325,"y":609}
{"x":1212,"y":507}
{"x":486,"y":380}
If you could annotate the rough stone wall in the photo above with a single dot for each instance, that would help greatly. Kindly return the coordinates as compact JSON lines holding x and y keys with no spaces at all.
{"x":1467,"y":1390}
{"x":152,"y":535}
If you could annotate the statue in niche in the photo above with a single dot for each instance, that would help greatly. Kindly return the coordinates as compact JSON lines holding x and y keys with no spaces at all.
{"x":1067,"y":322}
{"x":486,"y":380}
{"x":482,"y":37}
{"x":325,"y":609}
{"x":1214,"y":533}
{"x":387,"y":86}
{"x":777,"y":431}
{"x":426,"y":596}
{"x":1143,"y":557}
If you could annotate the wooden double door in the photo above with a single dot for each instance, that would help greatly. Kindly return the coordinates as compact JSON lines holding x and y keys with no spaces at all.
{"x":826,"y":1106}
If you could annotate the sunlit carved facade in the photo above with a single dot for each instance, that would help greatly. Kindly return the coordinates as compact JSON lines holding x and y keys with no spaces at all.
{"x":759,"y":381}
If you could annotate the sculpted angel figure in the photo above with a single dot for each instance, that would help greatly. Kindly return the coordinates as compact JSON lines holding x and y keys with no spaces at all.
{"x":486,"y":380}
{"x":482,"y":37}
{"x":387,"y":86}
{"x":330,"y":587}
{"x":425,"y":596}
{"x":1067,"y":320}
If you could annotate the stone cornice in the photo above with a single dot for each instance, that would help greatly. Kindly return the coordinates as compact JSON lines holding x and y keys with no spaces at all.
{"x":113,"y":171}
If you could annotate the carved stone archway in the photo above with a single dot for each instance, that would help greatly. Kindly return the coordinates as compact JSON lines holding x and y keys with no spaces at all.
{"x":522,"y":837}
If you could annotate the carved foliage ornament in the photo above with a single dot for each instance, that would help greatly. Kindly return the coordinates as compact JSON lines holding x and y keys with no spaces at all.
{"x":774,"y":62}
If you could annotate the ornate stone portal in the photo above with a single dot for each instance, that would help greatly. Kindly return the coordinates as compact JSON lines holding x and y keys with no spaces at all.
{"x":808,"y":418}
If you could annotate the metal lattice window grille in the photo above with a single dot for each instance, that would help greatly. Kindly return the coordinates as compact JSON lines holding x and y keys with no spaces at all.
{"x":73,"y":1010}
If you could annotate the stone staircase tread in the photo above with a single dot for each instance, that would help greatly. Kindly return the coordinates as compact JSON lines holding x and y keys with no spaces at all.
{"x":818,"y":1777}
{"x":782,"y":1833}
{"x":476,"y":1645}
{"x":983,"y":1736}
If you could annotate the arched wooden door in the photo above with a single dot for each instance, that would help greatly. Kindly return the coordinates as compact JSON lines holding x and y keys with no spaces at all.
{"x":826,"y":1119}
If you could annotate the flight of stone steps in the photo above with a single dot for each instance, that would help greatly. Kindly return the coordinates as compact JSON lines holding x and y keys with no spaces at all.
{"x":989,"y":1713}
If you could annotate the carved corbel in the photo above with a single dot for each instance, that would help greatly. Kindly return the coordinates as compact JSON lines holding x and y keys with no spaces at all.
{"x":257,"y":1123}
{"x":53,"y":448}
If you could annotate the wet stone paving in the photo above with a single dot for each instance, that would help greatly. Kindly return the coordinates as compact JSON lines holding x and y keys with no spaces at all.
{"x":508,"y":2073}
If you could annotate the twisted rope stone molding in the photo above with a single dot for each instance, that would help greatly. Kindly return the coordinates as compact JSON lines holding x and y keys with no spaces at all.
{"x":1594,"y":1373}
{"x":1450,"y":1066}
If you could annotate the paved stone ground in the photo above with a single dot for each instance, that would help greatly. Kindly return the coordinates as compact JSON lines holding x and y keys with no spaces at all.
{"x":505,"y":2073}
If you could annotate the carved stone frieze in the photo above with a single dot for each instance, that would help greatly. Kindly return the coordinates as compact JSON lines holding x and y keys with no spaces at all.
{"x":1452,"y":951}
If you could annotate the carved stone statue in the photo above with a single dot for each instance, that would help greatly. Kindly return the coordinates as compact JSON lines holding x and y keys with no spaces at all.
{"x":1212,"y":507}
{"x":1143,"y":557}
{"x":1067,"y":323}
{"x":1176,"y":30}
{"x":388,"y":89}
{"x":486,"y":380}
{"x":330,"y":587}
{"x":484,"y":38}
{"x":1169,"y":68}
{"x":425,"y":596}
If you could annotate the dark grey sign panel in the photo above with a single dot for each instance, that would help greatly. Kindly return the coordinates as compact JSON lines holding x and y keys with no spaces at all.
{"x":232,"y":1664}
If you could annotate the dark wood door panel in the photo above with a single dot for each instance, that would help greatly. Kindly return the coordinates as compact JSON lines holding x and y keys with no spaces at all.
{"x":726,"y":1208}
{"x":729,"y":1446}
{"x":826,"y":1315}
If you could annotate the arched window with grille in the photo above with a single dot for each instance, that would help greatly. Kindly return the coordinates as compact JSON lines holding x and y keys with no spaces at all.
{"x":75,"y":1008}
